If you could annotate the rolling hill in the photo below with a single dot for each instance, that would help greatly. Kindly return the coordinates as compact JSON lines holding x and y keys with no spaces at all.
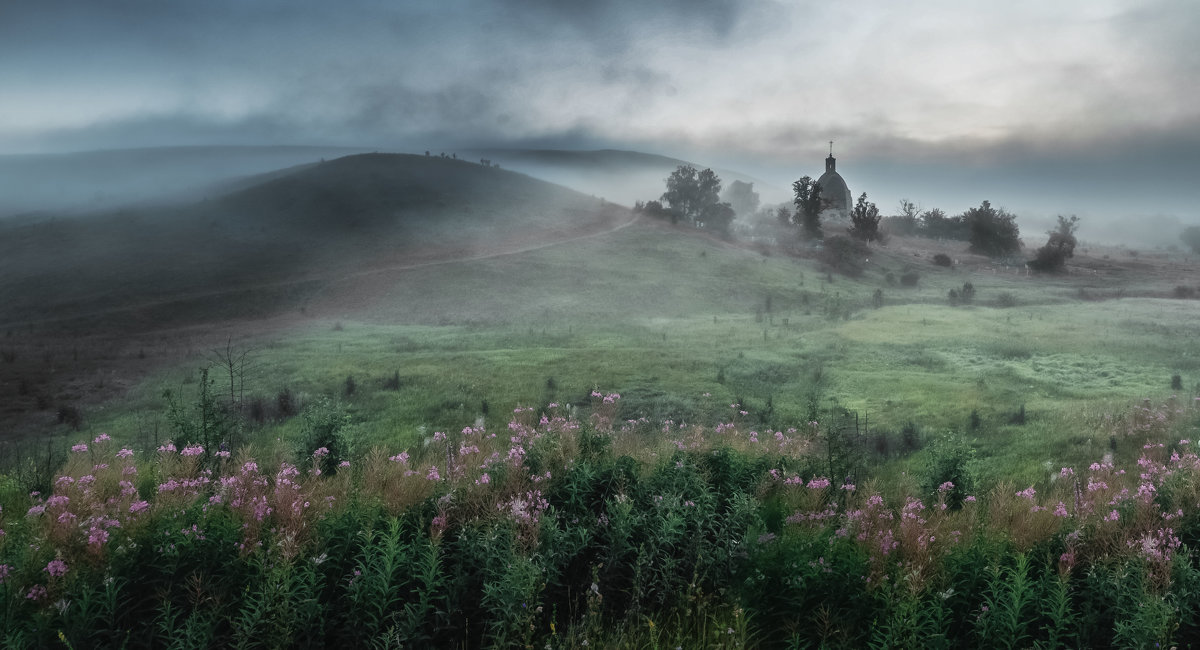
{"x":263,"y":248}
{"x":41,"y":185}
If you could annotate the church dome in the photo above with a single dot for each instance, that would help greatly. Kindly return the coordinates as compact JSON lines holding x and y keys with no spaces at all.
{"x":834,"y":190}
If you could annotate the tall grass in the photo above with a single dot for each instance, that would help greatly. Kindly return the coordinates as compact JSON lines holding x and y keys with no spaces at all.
{"x":574,"y":529}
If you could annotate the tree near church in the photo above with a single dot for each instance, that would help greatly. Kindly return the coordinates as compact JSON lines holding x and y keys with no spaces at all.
{"x":741,"y":197}
{"x":864,"y":220}
{"x":808,"y":206}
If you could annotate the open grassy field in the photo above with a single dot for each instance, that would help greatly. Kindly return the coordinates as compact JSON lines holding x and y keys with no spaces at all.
{"x":676,"y":424}
{"x":683,"y":325}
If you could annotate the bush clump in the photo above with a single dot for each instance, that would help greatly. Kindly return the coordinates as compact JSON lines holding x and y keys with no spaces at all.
{"x":845,"y":255}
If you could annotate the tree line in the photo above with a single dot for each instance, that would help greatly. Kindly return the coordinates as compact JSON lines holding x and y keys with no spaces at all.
{"x":695,"y":196}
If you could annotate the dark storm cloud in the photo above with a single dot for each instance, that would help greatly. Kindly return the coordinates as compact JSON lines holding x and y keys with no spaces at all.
{"x":1045,"y":95}
{"x":614,"y":25}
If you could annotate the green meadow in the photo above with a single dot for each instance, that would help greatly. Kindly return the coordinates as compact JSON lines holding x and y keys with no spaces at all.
{"x":621,"y":433}
{"x":683,"y":326}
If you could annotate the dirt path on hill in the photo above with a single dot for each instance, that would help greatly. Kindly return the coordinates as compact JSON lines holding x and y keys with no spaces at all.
{"x":429,"y":258}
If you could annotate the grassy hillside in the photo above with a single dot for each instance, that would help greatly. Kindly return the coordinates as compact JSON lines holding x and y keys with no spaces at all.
{"x":683,"y":325}
{"x":266,"y":246}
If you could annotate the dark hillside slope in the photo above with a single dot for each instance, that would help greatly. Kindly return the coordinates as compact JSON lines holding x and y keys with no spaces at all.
{"x":264,"y":248}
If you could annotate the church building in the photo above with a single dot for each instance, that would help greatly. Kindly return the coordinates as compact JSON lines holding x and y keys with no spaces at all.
{"x":834,"y":191}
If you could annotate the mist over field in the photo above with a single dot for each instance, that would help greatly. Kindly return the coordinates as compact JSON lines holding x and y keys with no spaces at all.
{"x":723,"y":324}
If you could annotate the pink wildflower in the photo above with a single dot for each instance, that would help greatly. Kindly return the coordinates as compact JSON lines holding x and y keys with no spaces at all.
{"x":79,"y":447}
{"x":97,"y":536}
{"x":192,"y":450}
{"x":104,"y":437}
{"x":138,"y":506}
{"x":56,"y":568}
{"x":125,"y":453}
{"x":320,"y":452}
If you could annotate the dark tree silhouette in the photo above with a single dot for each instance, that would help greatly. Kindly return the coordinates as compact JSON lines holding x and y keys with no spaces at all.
{"x":993,"y":231}
{"x":1059,"y":248}
{"x":864,"y":220}
{"x":694,"y":196}
{"x":1191,"y":237}
{"x":808,"y":206}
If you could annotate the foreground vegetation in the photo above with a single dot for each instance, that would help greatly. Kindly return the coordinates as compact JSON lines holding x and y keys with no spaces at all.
{"x":572,"y":528}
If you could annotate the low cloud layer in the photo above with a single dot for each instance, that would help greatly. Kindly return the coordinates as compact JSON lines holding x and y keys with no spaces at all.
{"x":1044,"y":93}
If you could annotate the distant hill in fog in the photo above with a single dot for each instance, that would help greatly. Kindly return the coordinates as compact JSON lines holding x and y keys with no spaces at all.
{"x":106,"y":179}
{"x":620,"y":176}
{"x":268,"y":245}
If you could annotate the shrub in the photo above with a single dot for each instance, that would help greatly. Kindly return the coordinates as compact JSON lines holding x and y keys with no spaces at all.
{"x":994,"y":232}
{"x":1184,"y":291}
{"x":1018,"y":417}
{"x":1006,"y":299}
{"x":942,"y":259}
{"x":1059,"y":247}
{"x":70,"y":416}
{"x":951,"y":461}
{"x":1176,"y":382}
{"x":910,"y":437}
{"x":392,"y":382}
{"x":968,"y":293}
{"x":910,"y":278}
{"x":845,"y":255}
{"x":285,"y":403}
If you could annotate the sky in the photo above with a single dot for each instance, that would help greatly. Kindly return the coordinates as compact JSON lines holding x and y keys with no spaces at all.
{"x":1088,"y":107}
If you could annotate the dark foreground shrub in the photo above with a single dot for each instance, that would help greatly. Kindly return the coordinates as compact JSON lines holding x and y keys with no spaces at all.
{"x":845,"y":255}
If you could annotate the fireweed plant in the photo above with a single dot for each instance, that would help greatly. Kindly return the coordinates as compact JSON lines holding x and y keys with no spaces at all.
{"x":570,"y":529}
